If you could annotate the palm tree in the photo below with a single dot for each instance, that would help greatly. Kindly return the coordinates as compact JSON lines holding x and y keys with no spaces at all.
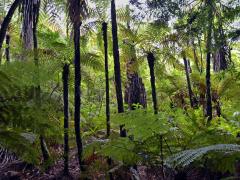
{"x":7,"y":20}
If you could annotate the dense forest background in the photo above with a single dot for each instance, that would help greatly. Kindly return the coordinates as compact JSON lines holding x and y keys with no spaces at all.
{"x":146,"y":90}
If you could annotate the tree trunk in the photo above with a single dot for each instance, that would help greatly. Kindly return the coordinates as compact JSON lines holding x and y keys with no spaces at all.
{"x":190,"y":92}
{"x":151,"y":61}
{"x":77,"y":100}
{"x":7,"y":50}
{"x":7,"y":20}
{"x":134,"y":90}
{"x":208,"y":64}
{"x":36,"y":8}
{"x":195,"y":56}
{"x":27,"y":33}
{"x":221,"y":56}
{"x":65,"y":78}
{"x":117,"y":69}
{"x":105,"y":39}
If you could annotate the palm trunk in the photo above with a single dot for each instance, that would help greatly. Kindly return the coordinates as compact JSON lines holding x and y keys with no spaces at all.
{"x":208,"y":65}
{"x":151,"y":61}
{"x":135,"y":93}
{"x":105,"y":39}
{"x":65,"y":78}
{"x":190,"y":93}
{"x":36,"y":7}
{"x":27,"y":33}
{"x":7,"y":20}
{"x":117,"y":69}
{"x":77,"y":99}
{"x":7,"y":50}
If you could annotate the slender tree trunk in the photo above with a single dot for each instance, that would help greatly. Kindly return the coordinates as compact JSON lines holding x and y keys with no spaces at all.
{"x":105,"y":39}
{"x":151,"y":62}
{"x":201,"y":53}
{"x":65,"y":78}
{"x":7,"y":50}
{"x":117,"y":69}
{"x":190,"y":93}
{"x":36,"y":8}
{"x":77,"y":99}
{"x":195,"y":56}
{"x":7,"y":20}
{"x":208,"y":64}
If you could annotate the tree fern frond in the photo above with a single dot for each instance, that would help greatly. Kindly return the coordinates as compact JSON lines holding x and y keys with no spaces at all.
{"x":185,"y":158}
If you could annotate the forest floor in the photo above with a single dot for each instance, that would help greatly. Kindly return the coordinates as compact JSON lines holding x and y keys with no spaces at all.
{"x":98,"y":169}
{"x":19,"y":170}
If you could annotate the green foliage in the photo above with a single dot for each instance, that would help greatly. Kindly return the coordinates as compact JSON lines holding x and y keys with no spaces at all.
{"x":186,"y":157}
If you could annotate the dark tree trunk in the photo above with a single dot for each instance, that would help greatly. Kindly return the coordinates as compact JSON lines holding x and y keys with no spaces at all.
{"x":208,"y":64}
{"x":7,"y":20}
{"x":27,"y":33}
{"x":77,"y":99}
{"x":105,"y":39}
{"x":117,"y":70}
{"x":7,"y":50}
{"x":134,"y":90}
{"x":221,"y":57}
{"x":190,"y":92}
{"x":36,"y":8}
{"x":65,"y":78}
{"x":151,"y":62}
{"x":44,"y":149}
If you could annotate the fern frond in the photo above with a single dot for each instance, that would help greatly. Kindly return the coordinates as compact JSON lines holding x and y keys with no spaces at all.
{"x":185,"y":158}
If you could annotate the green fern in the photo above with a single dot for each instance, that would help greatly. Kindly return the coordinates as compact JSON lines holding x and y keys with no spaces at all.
{"x":185,"y":158}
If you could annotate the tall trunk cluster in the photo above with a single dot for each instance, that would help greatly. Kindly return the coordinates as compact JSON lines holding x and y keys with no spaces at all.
{"x":151,"y":63}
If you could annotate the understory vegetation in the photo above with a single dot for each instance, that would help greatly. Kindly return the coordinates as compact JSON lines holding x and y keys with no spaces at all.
{"x":100,"y":89}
